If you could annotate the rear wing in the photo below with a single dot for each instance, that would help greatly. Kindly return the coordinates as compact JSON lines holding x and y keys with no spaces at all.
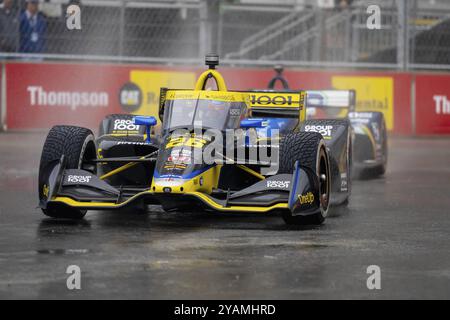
{"x":280,"y":104}
{"x":332,"y":99}
{"x":328,"y":104}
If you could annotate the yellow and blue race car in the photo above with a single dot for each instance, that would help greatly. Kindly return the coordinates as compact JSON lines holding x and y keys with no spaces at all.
{"x":327,"y":110}
{"x":219,"y":150}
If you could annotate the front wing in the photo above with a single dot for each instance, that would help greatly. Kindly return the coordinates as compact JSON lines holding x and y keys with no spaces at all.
{"x":297,"y":192}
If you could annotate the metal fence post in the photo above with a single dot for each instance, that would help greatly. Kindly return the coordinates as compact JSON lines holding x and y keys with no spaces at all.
{"x":318,"y":46}
{"x":209,"y":16}
{"x":203,"y":30}
{"x":220,"y":31}
{"x":412,"y":15}
{"x":348,"y":36}
{"x":354,"y":54}
{"x":402,"y":35}
{"x":122,"y":27}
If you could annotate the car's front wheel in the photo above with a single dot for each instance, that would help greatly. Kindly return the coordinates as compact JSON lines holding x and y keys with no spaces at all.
{"x":78,"y":147}
{"x":310,"y":150}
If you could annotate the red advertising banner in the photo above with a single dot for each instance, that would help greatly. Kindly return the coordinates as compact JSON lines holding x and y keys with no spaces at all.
{"x":40,"y":95}
{"x":43,"y":95}
{"x":432,"y":104}
{"x":2,"y":104}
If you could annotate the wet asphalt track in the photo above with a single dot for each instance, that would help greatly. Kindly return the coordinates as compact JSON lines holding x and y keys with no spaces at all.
{"x":400,"y":223}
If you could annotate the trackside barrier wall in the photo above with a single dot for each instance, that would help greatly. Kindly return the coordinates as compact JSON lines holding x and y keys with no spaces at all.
{"x":432,"y":101}
{"x":38,"y":95}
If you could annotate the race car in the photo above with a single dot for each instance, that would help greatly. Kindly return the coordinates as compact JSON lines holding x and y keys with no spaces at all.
{"x":369,"y":137}
{"x":221,"y":151}
{"x":337,"y":134}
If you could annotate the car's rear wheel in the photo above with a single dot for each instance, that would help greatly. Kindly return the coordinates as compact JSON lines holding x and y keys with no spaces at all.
{"x":336,"y":162}
{"x":78,"y":147}
{"x":349,"y":169}
{"x":310,"y":150}
{"x":379,"y":170}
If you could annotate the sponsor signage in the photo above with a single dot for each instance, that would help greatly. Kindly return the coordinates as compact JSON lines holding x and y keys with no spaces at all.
{"x":432,"y":104}
{"x":325,"y":131}
{"x":372,"y":94}
{"x":130,"y":97}
{"x":41,"y":95}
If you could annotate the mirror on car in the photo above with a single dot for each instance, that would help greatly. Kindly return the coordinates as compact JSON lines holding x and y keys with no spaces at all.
{"x":145,"y":120}
{"x":148,"y":122}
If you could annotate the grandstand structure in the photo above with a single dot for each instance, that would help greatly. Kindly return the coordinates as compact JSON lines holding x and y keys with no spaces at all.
{"x":414,"y":34}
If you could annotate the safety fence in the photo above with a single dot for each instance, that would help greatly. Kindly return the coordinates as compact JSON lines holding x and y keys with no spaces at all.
{"x":118,"y":28}
{"x":411,"y":34}
{"x":36,"y":95}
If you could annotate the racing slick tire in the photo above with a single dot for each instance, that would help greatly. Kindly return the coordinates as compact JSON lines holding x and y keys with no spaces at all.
{"x":379,"y":170}
{"x":334,"y":164}
{"x":77,"y":145}
{"x":310,"y":150}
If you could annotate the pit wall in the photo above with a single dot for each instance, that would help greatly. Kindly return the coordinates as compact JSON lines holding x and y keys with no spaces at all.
{"x":37,"y":95}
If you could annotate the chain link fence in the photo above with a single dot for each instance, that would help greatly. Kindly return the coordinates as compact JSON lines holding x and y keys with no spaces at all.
{"x":115,"y":29}
{"x":340,"y":36}
{"x":412,"y":33}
